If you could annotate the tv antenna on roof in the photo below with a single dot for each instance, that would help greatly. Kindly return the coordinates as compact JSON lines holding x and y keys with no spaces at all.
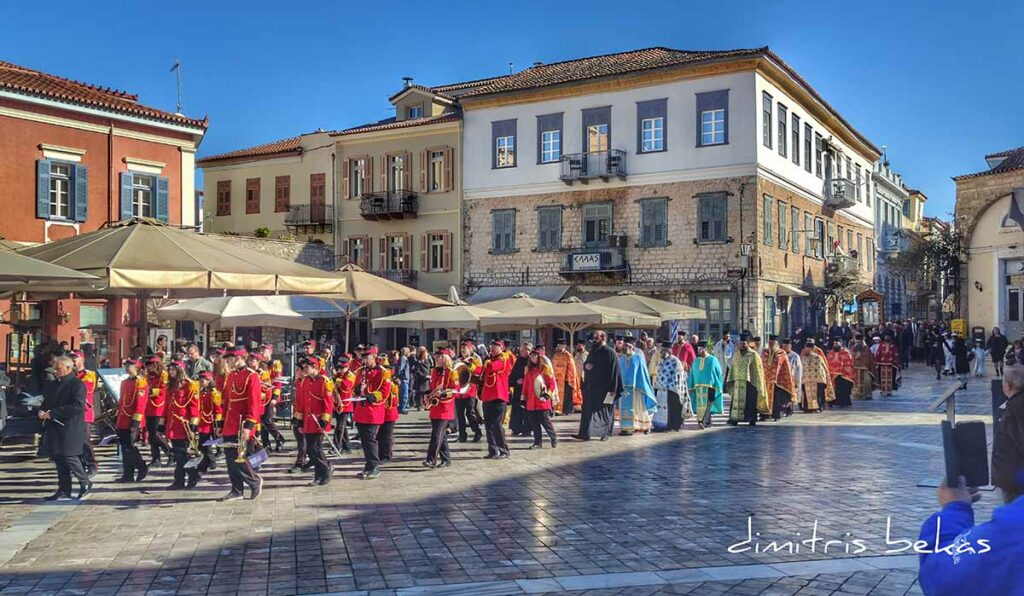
{"x":176,"y":69}
{"x":510,"y":65}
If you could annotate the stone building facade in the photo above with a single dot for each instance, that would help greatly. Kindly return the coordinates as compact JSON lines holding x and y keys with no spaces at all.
{"x":692,"y":200}
{"x":989,"y":219}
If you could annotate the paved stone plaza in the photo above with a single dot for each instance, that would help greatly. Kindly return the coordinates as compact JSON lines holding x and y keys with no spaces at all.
{"x":637,"y":515}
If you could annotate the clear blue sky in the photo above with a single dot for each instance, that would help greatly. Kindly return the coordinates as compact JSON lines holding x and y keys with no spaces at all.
{"x":939,"y":83}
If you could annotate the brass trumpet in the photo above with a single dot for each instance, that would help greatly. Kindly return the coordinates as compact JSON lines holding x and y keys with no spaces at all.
{"x":240,"y":458}
{"x":193,"y":438}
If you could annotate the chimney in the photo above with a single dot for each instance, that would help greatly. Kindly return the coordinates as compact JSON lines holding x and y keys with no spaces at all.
{"x":538,"y":63}
{"x":406,"y":82}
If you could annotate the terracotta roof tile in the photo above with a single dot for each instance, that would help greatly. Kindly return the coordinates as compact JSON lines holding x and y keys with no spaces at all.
{"x":431,"y":90}
{"x":1013,"y":161}
{"x":620,"y":63}
{"x":289,"y":145}
{"x":33,"y":82}
{"x":391,"y":123}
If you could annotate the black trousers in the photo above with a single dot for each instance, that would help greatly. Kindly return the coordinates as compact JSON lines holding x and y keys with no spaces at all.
{"x":749,"y":404}
{"x":131,"y":458}
{"x":438,"y":446}
{"x":368,"y":440}
{"x":386,"y":440}
{"x":88,"y":453}
{"x":494,"y":415}
{"x":157,"y":440}
{"x":268,"y":428}
{"x":209,"y":460}
{"x":780,"y":399}
{"x":68,"y":466}
{"x":300,"y":442}
{"x":466,"y":415}
{"x":241,"y":473}
{"x":341,"y":439}
{"x":675,"y":411}
{"x":179,"y":449}
{"x":542,"y":419}
{"x":315,"y":452}
{"x":706,"y":418}
{"x":567,"y":395}
{"x":518,"y":422}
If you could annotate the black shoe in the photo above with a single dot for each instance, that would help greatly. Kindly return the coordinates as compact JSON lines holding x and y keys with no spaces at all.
{"x":462,"y":439}
{"x":490,"y":456}
{"x":477,"y":437}
{"x":385,"y":460}
{"x":428,"y":464}
{"x":176,"y":486}
{"x":444,"y":464}
{"x":604,"y":438}
{"x":91,"y":471}
{"x":371,"y":474}
{"x":346,"y":451}
{"x":501,"y":456}
{"x":57,"y":496}
{"x":124,"y":480}
{"x":295,"y":469}
{"x":192,"y":482}
{"x":278,"y":445}
{"x":554,"y":443}
{"x":732,"y":423}
{"x":314,"y":482}
{"x":231,"y":496}
{"x":84,"y":489}
{"x":142,"y":473}
{"x":258,"y":490}
{"x":536,"y":446}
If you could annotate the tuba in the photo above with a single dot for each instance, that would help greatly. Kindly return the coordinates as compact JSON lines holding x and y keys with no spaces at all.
{"x":465,"y":381}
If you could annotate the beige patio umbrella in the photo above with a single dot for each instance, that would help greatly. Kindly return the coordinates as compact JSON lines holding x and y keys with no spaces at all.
{"x":143,"y":257}
{"x":16,"y":268}
{"x":645,"y":305}
{"x":459,"y":318}
{"x":570,"y":315}
{"x":363,"y":289}
{"x":515,"y":302}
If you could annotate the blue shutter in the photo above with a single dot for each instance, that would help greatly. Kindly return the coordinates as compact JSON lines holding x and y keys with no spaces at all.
{"x":126,"y":195}
{"x":80,"y":202}
{"x":162,"y":194}
{"x":43,"y":188}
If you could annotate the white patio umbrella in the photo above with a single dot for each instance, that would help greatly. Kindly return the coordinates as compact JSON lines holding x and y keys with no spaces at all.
{"x":569,"y":315}
{"x":238,"y":311}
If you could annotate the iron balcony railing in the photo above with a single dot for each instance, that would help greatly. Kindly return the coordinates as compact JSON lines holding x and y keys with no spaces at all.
{"x":401,"y":276}
{"x":594,"y":164}
{"x":840,"y":193}
{"x":309,"y":215}
{"x":390,"y":204}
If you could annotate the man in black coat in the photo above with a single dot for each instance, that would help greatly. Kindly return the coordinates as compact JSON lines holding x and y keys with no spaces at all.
{"x":602,"y":385}
{"x":63,"y":416}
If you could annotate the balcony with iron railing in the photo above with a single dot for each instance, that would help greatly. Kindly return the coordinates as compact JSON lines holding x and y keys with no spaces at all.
{"x":583,"y":167}
{"x":390,"y":204}
{"x":840,"y":193}
{"x":608,"y":257}
{"x":405,"y":277}
{"x":309,"y":215}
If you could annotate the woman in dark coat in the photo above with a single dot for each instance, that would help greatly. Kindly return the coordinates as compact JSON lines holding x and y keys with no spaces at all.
{"x":420,"y":369}
{"x":997,"y":346}
{"x":63,"y":416}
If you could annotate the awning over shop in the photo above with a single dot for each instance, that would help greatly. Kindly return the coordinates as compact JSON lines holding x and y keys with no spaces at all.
{"x":788,"y":290}
{"x":491,"y":293}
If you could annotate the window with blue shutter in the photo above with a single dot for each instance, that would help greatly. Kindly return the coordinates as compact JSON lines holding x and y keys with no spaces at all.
{"x":503,"y":226}
{"x":712,"y":223}
{"x":653,"y":223}
{"x":81,"y":198}
{"x":127,"y":198}
{"x":549,"y":228}
{"x":43,"y":188}
{"x":162,"y":194}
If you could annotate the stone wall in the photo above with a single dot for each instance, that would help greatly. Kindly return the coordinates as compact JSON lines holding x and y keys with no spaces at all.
{"x":313,"y":254}
{"x":975,"y":195}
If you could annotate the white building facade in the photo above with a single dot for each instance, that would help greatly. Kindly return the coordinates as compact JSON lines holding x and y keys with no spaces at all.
{"x":891,"y":197}
{"x":721,"y":179}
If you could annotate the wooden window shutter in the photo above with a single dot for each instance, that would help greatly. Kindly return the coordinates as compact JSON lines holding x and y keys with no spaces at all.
{"x":424,"y":252}
{"x":407,"y":252}
{"x":364,"y":256}
{"x":368,"y":174}
{"x":382,"y":255}
{"x":424,"y":163}
{"x":406,"y":171}
{"x":447,"y":260}
{"x":449,"y":169}
{"x":345,"y":167}
{"x":346,"y":249}
{"x":383,"y":172}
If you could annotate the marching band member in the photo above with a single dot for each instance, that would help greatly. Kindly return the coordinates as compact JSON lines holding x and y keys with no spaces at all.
{"x":373,"y":383}
{"x":131,"y":410}
{"x":276,"y":367}
{"x":298,"y":411}
{"x":156,"y":379}
{"x":241,"y":414}
{"x":441,"y":401}
{"x":318,"y":401}
{"x":309,"y":351}
{"x":386,"y":437}
{"x":271,"y":397}
{"x":344,"y":389}
{"x":88,"y":377}
{"x":211,"y":418}
{"x":539,"y":388}
{"x":494,"y":395}
{"x":466,"y":404}
{"x":182,"y":422}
